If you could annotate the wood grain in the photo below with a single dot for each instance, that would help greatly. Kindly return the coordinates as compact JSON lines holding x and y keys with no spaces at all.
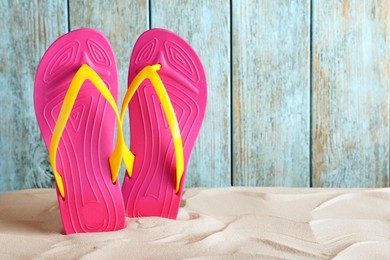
{"x":271,"y":41}
{"x":121,"y":22}
{"x":351,"y":73}
{"x":256,"y":54}
{"x":26,"y":29}
{"x":206,"y":26}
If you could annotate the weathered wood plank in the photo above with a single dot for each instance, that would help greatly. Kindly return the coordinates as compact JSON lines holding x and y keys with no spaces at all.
{"x":351,"y":57}
{"x":271,"y":123}
{"x":206,"y":26}
{"x":121,"y":22}
{"x":271,"y":41}
{"x":26,"y":29}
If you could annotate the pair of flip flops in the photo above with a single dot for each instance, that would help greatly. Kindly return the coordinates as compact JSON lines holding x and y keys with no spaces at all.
{"x":75,"y":99}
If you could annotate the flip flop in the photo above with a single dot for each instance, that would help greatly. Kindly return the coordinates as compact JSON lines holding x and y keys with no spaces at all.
{"x":167,"y":98}
{"x":75,"y":93}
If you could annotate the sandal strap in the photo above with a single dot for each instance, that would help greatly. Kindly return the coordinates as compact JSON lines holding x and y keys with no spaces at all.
{"x":150,"y":72}
{"x":120,"y":152}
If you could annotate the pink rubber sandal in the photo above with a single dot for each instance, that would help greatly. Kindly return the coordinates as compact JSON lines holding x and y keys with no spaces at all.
{"x":167,"y":99}
{"x":75,"y":92}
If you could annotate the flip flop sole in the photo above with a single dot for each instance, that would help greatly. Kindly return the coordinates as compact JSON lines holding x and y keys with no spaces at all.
{"x":92,"y":202}
{"x":151,"y":190}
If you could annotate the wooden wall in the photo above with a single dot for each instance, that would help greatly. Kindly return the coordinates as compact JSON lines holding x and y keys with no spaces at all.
{"x":298,"y":90}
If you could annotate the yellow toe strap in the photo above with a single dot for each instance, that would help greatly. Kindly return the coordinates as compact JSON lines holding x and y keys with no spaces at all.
{"x":150,"y":72}
{"x":121,"y":150}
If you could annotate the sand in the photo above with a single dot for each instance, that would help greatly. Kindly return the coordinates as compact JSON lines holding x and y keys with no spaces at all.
{"x":218,"y":223}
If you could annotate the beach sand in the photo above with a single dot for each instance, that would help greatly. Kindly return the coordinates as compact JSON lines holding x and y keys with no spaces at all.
{"x":213,"y":223}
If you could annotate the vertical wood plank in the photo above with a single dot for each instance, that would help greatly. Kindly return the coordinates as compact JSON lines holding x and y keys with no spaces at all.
{"x":26,"y":29}
{"x":271,"y":42}
{"x":205,"y":25}
{"x":351,"y":57}
{"x":121,"y":22}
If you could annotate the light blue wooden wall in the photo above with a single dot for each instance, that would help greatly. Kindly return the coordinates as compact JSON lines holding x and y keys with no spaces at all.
{"x":298,"y":90}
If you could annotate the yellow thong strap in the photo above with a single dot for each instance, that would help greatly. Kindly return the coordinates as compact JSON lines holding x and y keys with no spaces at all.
{"x":150,"y":72}
{"x":121,"y":150}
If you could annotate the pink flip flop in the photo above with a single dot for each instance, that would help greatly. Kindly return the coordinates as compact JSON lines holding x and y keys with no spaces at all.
{"x":75,"y":92}
{"x":167,"y":99}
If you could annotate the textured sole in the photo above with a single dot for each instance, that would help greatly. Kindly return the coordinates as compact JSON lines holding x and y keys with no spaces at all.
{"x":92,"y":202}
{"x":151,"y":190}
